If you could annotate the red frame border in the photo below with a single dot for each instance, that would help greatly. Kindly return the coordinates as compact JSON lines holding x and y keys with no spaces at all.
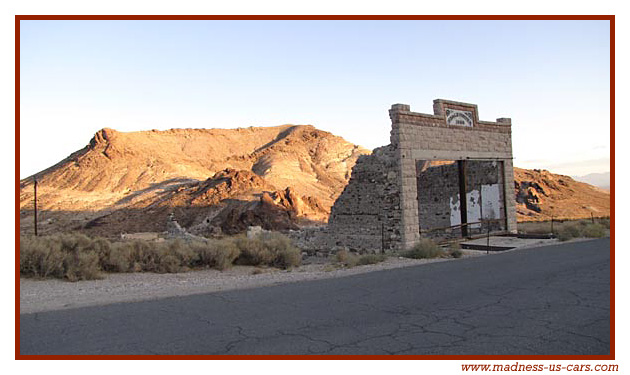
{"x":610,"y":18}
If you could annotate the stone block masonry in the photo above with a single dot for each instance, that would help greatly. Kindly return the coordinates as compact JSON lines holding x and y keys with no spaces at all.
{"x":439,"y":171}
{"x":367,"y":215}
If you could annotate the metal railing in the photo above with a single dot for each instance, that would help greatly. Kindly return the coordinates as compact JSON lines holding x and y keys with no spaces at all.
{"x":482,"y":222}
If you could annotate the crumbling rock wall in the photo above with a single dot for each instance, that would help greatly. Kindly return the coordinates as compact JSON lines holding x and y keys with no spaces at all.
{"x":366,"y":215}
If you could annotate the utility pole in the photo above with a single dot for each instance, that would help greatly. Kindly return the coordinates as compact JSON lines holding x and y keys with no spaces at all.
{"x":35,"y":186}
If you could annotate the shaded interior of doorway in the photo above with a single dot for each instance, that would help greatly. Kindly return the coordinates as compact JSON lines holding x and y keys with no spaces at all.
{"x":460,"y":198}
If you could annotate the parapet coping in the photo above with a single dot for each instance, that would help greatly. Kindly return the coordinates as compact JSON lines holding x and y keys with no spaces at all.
{"x":455,"y":103}
{"x":405,"y":109}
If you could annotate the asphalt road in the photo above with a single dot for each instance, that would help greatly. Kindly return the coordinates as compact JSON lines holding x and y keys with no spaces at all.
{"x":548,"y":300}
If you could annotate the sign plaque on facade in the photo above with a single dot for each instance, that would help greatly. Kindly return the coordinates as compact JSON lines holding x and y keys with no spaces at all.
{"x":459,"y":118}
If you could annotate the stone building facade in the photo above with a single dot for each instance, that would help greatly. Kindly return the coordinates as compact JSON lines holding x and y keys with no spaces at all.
{"x":443,"y":175}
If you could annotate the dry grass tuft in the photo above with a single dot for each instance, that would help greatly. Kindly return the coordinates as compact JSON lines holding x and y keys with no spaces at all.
{"x":349,"y":259}
{"x":371,"y":259}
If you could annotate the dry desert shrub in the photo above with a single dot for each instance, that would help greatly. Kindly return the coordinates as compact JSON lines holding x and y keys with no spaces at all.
{"x":41,"y":257}
{"x":349,"y":259}
{"x":112,"y":257}
{"x":141,"y":255}
{"x":82,"y":266}
{"x":424,"y":249}
{"x":252,"y":251}
{"x":371,"y":259}
{"x":218,"y":254}
{"x":159,"y":257}
{"x":78,"y":257}
{"x":117,"y":259}
{"x":569,"y":231}
{"x":582,"y":229}
{"x":179,"y":254}
{"x":271,"y":249}
{"x":69,"y":256}
{"x":594,"y":230}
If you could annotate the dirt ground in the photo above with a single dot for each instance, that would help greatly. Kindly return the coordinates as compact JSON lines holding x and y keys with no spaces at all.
{"x":47,"y":295}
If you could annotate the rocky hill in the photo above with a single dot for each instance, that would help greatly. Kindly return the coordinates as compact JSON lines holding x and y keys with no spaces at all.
{"x":541,"y":194}
{"x":222,"y":180}
{"x":254,"y":176}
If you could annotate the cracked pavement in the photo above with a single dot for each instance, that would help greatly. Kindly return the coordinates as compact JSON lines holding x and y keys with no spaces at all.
{"x":549,"y":300}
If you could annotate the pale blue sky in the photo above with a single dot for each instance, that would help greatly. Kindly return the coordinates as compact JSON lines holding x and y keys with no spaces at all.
{"x":550,"y":77}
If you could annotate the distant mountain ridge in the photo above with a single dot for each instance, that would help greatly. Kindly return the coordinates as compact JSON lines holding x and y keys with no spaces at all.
{"x":601,"y":180}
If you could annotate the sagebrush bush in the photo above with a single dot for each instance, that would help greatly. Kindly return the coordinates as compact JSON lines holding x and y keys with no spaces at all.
{"x":142,"y":255}
{"x":455,"y":253}
{"x":595,"y":230}
{"x":182,"y":254}
{"x":347,"y":258}
{"x":582,"y":229}
{"x":569,"y":231}
{"x":41,"y":257}
{"x":160,"y":257}
{"x":252,"y":251}
{"x":219,"y":254}
{"x":117,"y":259}
{"x":69,"y":256}
{"x":82,"y":265}
{"x":269,"y":248}
{"x":424,"y":249}
{"x":74,"y":241}
{"x":78,"y":257}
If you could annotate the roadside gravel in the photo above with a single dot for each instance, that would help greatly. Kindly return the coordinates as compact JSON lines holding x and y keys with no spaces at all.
{"x":52,"y":294}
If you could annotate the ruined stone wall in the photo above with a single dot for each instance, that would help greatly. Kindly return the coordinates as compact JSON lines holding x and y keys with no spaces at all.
{"x":366,"y":216}
{"x":380,"y":210}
